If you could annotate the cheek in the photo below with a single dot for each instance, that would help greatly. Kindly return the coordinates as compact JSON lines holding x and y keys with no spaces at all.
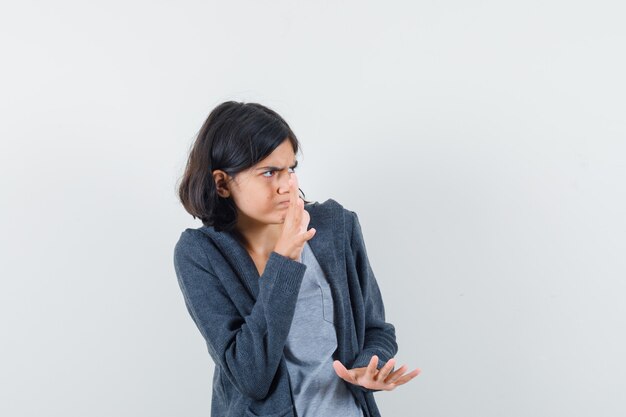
{"x":257,"y":196}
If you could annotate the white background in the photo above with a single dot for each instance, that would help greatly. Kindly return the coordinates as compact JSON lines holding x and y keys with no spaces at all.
{"x":482,"y":144}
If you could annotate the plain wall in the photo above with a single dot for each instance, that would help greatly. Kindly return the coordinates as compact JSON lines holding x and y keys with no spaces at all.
{"x":481,"y":143}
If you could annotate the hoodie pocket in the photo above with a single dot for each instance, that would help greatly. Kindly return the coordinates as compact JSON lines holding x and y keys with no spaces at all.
{"x":327,"y":302}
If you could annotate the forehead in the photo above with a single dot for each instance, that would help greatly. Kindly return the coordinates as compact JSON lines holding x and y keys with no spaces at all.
{"x":283,"y":155}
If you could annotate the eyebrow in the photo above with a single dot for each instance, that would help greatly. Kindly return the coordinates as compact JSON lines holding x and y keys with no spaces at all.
{"x":271,"y":168}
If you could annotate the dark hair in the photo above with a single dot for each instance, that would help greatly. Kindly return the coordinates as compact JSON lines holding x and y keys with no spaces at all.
{"x":234,"y":137}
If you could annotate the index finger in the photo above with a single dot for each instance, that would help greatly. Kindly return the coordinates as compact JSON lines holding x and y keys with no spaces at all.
{"x":293,"y":194}
{"x":293,"y":188}
{"x":372,"y":367}
{"x":385,"y":370}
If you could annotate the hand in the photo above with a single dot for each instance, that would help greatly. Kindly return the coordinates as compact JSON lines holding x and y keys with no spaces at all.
{"x":372,"y":378}
{"x":294,"y":233}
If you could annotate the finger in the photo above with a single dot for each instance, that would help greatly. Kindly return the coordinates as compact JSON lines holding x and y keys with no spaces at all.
{"x":293,"y":189}
{"x":295,"y":177}
{"x":395,"y":374}
{"x":307,"y":235}
{"x":292,"y":210}
{"x":289,"y":214}
{"x":296,"y":210}
{"x":343,"y":373}
{"x":406,"y":378}
{"x":384,"y":371}
{"x":306,"y":218}
{"x":371,"y":368}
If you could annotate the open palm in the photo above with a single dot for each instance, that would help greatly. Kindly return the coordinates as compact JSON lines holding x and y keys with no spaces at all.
{"x":373,"y":378}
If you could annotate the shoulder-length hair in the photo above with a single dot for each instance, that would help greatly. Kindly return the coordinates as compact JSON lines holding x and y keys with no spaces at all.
{"x":234,"y":137}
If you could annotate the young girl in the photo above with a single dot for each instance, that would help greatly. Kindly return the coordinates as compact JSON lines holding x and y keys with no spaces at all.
{"x":292,"y":315}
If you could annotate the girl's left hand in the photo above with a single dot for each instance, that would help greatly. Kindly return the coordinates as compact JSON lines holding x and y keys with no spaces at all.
{"x":372,"y":378}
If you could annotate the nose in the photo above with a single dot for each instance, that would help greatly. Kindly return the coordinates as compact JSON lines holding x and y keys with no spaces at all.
{"x":283,"y":184}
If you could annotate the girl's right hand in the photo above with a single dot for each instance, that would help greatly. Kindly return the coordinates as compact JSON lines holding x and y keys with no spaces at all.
{"x":294,"y":234}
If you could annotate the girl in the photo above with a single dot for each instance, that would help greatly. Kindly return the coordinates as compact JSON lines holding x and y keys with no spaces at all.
{"x":292,"y":316}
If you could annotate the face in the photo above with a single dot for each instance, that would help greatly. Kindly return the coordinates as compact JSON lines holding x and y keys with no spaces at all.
{"x":258,"y":191}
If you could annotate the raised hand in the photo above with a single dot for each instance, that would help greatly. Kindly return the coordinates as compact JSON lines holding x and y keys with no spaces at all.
{"x":377,"y":379}
{"x":294,"y":233}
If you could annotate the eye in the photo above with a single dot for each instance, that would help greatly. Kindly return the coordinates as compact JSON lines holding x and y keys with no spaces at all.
{"x":269,"y":176}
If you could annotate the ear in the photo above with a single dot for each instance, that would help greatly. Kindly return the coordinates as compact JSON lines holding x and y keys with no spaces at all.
{"x":221,"y":183}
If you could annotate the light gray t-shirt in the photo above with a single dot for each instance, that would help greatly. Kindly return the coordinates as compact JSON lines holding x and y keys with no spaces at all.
{"x":317,"y":389}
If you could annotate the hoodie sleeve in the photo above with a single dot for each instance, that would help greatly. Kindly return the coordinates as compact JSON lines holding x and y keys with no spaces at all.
{"x":380,"y":336}
{"x":248,"y":349}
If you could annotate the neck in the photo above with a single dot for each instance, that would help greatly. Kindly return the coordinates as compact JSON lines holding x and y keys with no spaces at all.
{"x":258,"y":239}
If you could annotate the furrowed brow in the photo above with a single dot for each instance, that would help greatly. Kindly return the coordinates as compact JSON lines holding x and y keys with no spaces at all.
{"x":271,"y":168}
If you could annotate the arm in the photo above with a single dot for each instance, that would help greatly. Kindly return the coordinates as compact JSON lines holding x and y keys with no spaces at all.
{"x":248,"y":349}
{"x":380,"y":337}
